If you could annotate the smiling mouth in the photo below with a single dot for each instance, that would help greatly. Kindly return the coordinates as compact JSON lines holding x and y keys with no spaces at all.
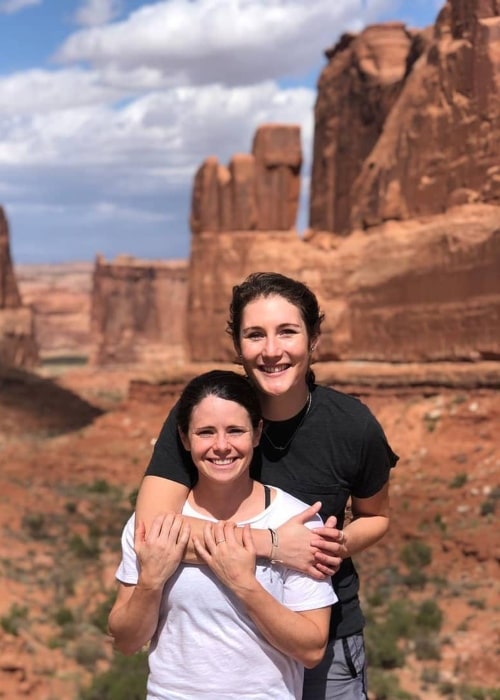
{"x":223,"y":462}
{"x":274,"y":369}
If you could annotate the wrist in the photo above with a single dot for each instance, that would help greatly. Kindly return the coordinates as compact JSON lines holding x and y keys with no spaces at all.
{"x":274,"y":556}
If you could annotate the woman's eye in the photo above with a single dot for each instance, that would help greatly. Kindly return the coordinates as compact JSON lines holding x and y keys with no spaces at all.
{"x":204,"y":433}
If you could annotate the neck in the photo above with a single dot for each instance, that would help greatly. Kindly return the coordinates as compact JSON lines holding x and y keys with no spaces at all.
{"x":233,"y":500}
{"x":284,"y":406}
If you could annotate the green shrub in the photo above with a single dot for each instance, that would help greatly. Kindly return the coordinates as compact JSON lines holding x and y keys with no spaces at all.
{"x":84,"y":549}
{"x":400,"y":618}
{"x":64,"y":616}
{"x":416,"y":554}
{"x":16,"y":617}
{"x":459,"y":480}
{"x":382,"y":649}
{"x":427,"y":648}
{"x":488,"y":507}
{"x":125,"y":679}
{"x":99,"y":486}
{"x":87,"y":652}
{"x":385,"y":686}
{"x":35,"y":524}
{"x":429,"y":616}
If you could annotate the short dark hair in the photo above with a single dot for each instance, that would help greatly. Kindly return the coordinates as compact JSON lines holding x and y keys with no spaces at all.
{"x":266,"y":284}
{"x":224,"y":384}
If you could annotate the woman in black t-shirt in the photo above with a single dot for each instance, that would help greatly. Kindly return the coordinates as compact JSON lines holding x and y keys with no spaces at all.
{"x":323,"y":446}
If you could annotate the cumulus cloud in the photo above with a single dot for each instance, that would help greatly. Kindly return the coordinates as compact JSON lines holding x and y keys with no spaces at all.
{"x":233,"y":42}
{"x":101,"y":151}
{"x":10,"y":7}
{"x":97,"y":12}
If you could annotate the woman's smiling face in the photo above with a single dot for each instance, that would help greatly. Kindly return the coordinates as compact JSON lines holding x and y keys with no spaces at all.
{"x":221,"y":439}
{"x":274,"y":345}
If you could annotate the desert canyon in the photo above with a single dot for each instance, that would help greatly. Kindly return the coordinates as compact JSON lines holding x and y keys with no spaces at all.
{"x":403,"y":250}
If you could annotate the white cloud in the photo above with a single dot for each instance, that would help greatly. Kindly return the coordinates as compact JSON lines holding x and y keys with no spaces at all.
{"x":233,"y":42}
{"x":9,"y":7}
{"x":97,"y":12}
{"x":35,"y":91}
{"x":108,"y":149}
{"x":172,"y":130}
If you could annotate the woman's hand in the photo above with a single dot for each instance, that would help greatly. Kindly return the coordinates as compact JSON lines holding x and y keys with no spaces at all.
{"x":232,"y":561}
{"x":161,"y":550}
{"x":317,"y":552}
{"x":330,"y":545}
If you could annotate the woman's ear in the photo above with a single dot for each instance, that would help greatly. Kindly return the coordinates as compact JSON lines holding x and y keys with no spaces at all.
{"x":257,"y":433}
{"x":185,"y":440}
{"x":314,"y":344}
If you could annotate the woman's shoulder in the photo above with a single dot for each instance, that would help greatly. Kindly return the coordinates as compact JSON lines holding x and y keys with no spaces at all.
{"x":328,"y":398}
{"x":288,"y":505}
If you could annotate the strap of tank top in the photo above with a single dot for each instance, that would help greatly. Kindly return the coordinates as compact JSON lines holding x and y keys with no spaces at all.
{"x":267,"y":496}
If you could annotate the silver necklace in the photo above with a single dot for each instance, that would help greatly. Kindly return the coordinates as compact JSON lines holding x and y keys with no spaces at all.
{"x":283,"y":447}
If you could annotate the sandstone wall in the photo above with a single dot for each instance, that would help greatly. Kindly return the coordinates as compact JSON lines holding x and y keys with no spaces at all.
{"x":138,"y":311}
{"x":17,"y":338}
{"x":414,"y":292}
{"x":60,"y":298}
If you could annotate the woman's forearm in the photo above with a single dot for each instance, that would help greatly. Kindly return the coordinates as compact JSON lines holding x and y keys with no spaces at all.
{"x":133,"y":623}
{"x":363,"y":532}
{"x":158,"y":496}
{"x":303,"y":636}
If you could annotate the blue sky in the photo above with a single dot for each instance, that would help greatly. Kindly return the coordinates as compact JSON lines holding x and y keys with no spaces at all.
{"x":107,"y":108}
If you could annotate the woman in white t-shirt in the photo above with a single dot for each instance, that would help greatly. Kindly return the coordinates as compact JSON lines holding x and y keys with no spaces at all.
{"x":236,"y":626}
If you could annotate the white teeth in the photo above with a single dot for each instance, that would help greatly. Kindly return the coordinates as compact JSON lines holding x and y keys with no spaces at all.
{"x":275,"y":369}
{"x":222,"y":462}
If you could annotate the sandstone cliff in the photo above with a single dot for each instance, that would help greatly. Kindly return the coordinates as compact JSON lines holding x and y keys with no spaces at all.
{"x":407,"y":123}
{"x":138,"y":311}
{"x":17,"y":338}
{"x":404,"y":242}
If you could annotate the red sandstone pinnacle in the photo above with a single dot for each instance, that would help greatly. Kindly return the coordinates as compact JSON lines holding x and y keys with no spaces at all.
{"x":9,"y":293}
{"x":17,"y":336}
{"x":258,"y":191}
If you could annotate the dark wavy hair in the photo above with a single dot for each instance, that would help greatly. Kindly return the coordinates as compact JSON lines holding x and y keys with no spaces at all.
{"x":266,"y":284}
{"x":224,"y":384}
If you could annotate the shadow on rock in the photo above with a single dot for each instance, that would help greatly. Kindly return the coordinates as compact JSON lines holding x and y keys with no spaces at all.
{"x":32,"y":404}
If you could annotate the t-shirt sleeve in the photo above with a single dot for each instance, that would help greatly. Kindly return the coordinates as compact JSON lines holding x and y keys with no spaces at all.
{"x":128,"y":569}
{"x":376,"y":459}
{"x":169,"y":458}
{"x":301,"y":592}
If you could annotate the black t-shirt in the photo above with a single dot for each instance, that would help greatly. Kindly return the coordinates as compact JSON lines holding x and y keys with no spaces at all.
{"x":337,"y":449}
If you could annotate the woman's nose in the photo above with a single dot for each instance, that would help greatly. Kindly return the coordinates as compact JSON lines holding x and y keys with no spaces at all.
{"x":271,"y":347}
{"x":221,"y":442}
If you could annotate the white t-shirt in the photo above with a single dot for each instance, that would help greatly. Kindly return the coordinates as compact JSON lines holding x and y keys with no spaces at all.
{"x":206,"y":646}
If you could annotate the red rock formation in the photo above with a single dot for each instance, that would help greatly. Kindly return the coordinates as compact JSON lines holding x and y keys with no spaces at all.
{"x":137,"y":313}
{"x":356,"y":92}
{"x":60,"y":298}
{"x":17,"y":340}
{"x":414,"y":292}
{"x":414,"y":139}
{"x":256,"y":192}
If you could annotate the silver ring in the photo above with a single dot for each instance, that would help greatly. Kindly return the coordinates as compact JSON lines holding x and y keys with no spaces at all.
{"x":219,"y":541}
